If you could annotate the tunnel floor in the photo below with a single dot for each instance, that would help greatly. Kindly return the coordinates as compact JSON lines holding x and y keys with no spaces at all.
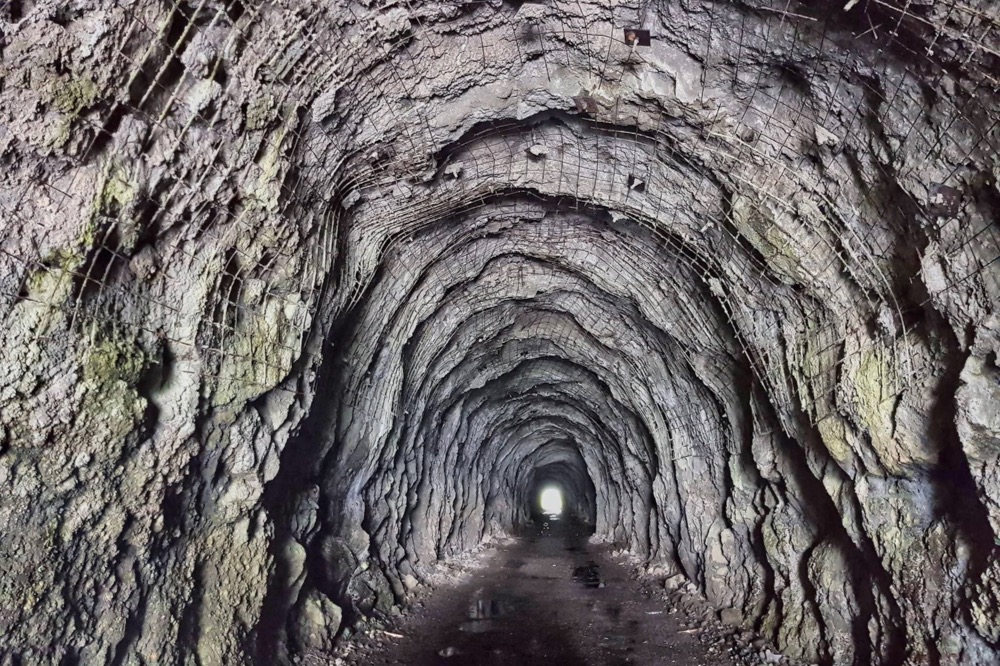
{"x":552,"y":597}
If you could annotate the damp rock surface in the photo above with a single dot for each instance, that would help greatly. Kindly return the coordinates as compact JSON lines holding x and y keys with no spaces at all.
{"x":551,"y":597}
{"x":300,"y":299}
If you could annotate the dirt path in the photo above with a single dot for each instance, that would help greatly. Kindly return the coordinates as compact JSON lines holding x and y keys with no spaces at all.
{"x":553,"y":598}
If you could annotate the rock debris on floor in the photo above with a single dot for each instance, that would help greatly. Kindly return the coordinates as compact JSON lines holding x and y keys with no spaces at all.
{"x":552,"y":597}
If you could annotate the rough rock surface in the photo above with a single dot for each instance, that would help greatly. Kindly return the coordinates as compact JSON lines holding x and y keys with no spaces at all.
{"x":301,"y":297}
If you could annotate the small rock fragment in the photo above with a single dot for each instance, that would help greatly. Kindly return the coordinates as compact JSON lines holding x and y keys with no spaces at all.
{"x":825,"y":137}
{"x":730,"y":616}
{"x":673,"y":583}
{"x":771,"y":657}
{"x":350,"y":199}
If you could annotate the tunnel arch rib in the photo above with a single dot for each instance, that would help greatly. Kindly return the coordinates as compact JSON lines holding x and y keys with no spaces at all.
{"x":301,"y":299}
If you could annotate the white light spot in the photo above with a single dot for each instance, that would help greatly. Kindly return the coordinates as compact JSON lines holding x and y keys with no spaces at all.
{"x":551,"y":501}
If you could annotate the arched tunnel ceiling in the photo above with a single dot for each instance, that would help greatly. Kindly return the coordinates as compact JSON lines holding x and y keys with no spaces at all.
{"x":302,"y":297}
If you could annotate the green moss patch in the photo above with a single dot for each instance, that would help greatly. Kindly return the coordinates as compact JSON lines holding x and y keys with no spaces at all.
{"x":110,"y":360}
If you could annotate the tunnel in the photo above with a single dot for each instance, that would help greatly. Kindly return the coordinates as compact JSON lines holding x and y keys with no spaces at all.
{"x":557,"y":487}
{"x":305,"y":304}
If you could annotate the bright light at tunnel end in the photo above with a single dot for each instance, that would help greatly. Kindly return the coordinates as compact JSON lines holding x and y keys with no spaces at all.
{"x":551,"y":501}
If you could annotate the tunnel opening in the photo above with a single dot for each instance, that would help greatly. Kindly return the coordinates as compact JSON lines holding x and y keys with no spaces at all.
{"x":550,"y":501}
{"x":557,"y":487}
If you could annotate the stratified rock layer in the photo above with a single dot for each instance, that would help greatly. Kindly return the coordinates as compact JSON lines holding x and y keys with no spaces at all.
{"x":300,"y":298}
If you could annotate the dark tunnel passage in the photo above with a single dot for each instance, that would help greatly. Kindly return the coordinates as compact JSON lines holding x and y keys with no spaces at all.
{"x":306,"y":305}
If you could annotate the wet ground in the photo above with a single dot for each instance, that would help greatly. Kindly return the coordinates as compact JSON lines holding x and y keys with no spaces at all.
{"x":551,"y":597}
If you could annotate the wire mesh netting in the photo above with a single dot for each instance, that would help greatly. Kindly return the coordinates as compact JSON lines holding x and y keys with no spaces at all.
{"x":252,"y":195}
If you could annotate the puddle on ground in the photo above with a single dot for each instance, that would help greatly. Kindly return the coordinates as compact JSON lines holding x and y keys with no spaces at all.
{"x":589,"y":575}
{"x":477,"y":626}
{"x":482,"y":612}
{"x":482,"y":609}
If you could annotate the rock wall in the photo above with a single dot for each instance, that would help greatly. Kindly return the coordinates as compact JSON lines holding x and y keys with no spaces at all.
{"x":302,"y":297}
